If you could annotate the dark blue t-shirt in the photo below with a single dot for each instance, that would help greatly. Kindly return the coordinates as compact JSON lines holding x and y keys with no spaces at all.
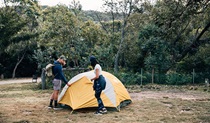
{"x":58,"y":73}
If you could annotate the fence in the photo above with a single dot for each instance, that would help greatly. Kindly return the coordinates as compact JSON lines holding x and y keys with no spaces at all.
{"x":69,"y":73}
{"x":142,"y":77}
{"x":171,"y":78}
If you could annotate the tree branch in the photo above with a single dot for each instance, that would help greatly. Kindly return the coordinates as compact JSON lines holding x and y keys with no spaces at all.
{"x":196,"y":43}
{"x":179,"y":35}
{"x":101,"y":23}
{"x":207,"y":40}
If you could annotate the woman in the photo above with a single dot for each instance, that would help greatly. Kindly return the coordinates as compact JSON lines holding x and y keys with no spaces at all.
{"x":99,"y":85}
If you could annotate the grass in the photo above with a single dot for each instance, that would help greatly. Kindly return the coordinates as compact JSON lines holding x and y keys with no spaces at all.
{"x":25,"y":103}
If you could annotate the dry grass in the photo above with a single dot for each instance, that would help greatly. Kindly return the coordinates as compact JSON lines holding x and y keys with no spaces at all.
{"x":24,"y":103}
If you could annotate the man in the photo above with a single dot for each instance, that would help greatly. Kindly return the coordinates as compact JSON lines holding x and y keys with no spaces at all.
{"x":58,"y":77}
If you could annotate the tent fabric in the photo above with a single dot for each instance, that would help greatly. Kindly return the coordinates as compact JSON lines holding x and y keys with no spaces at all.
{"x":81,"y":94}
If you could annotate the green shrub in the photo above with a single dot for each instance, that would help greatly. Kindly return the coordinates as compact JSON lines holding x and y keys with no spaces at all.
{"x":130,"y":78}
{"x":178,"y":79}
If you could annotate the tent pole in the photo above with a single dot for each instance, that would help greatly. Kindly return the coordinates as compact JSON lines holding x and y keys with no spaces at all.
{"x":71,"y":111}
{"x":118,"y":108}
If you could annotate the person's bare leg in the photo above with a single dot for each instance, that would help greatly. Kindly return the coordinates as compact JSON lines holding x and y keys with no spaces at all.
{"x":55,"y":97}
{"x":52,"y":96}
{"x":51,"y":100}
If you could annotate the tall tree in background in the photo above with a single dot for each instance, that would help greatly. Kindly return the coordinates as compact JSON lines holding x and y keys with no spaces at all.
{"x":186,"y":24}
{"x":181,"y":28}
{"x":75,"y":7}
{"x":134,"y":49}
{"x":122,"y":8}
{"x":58,"y":29}
{"x":66,"y":34}
{"x":11,"y":24}
{"x":18,"y":22}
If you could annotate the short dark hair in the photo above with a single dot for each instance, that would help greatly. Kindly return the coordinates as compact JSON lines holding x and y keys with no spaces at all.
{"x":92,"y":58}
{"x":93,"y":61}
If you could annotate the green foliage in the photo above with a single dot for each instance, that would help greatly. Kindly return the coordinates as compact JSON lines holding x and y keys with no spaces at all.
{"x":170,"y":15}
{"x":167,"y":36}
{"x":129,"y":78}
{"x":155,"y":48}
{"x":43,"y":58}
{"x":174,"y":78}
{"x":58,"y":35}
{"x":10,"y":24}
{"x":67,"y":35}
{"x":92,"y":15}
{"x":17,"y":39}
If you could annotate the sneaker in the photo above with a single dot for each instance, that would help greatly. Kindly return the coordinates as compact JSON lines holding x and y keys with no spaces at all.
{"x":57,"y":108}
{"x":50,"y":107}
{"x":98,"y":113}
{"x":103,"y":110}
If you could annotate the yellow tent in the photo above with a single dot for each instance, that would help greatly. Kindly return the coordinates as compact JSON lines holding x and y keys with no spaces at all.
{"x":81,"y":94}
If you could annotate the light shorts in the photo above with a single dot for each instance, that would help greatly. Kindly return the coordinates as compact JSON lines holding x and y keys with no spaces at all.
{"x":56,"y":84}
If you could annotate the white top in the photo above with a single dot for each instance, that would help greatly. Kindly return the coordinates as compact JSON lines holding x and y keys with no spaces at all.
{"x":99,"y":68}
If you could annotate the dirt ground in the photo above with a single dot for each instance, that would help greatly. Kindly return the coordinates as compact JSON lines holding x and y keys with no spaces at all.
{"x":25,"y":103}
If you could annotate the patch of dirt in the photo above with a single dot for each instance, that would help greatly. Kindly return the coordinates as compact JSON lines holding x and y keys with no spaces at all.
{"x":166,"y":91}
{"x":25,"y":103}
{"x":17,"y":80}
{"x":193,"y":95}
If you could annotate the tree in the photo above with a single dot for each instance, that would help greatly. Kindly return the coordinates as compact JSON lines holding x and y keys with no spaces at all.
{"x":9,"y":26}
{"x":134,"y":50}
{"x":58,"y":34}
{"x":179,"y":30}
{"x":76,"y":7}
{"x":17,"y":30}
{"x":123,"y":8}
{"x":186,"y":25}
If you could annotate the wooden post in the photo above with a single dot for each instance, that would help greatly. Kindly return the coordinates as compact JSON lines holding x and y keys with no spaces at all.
{"x":207,"y":83}
{"x":141,"y":75}
{"x":43,"y":77}
{"x":193,"y":76}
{"x":34,"y":78}
{"x":2,"y":76}
{"x":153,"y":75}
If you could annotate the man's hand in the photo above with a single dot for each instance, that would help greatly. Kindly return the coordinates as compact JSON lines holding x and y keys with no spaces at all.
{"x":68,"y":84}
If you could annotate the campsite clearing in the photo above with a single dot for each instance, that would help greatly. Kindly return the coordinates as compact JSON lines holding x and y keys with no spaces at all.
{"x":25,"y":103}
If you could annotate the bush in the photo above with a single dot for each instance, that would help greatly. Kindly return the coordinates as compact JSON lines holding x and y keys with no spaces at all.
{"x":130,"y":78}
{"x":178,"y":79}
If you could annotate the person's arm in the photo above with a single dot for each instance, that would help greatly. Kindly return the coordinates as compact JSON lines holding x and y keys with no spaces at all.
{"x":97,"y":75}
{"x":62,"y":77}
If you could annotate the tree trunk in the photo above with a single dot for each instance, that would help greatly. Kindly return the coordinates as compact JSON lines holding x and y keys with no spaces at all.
{"x":126,"y":15}
{"x":19,"y":61}
{"x":126,"y":11}
{"x":119,"y":49}
{"x":153,"y":71}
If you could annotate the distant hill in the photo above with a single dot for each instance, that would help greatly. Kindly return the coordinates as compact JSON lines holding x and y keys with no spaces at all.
{"x":102,"y":15}
{"x":92,"y":15}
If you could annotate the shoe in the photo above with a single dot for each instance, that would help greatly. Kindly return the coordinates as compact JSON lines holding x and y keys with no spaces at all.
{"x":50,"y":107}
{"x":103,"y":110}
{"x":98,"y":113}
{"x":57,"y":108}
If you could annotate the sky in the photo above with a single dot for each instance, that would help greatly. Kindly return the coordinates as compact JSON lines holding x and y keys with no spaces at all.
{"x":86,"y":4}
